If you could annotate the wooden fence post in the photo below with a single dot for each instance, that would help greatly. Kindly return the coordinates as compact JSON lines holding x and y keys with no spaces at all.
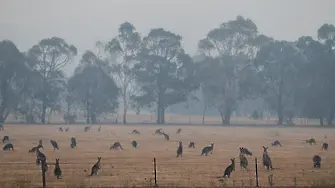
{"x":43,"y":167}
{"x":155,"y":172}
{"x":256,"y":166}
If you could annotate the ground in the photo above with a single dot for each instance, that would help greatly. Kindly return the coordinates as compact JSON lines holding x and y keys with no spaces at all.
{"x":132,"y":166}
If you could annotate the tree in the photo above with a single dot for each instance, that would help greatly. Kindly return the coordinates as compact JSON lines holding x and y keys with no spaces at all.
{"x":165,"y":73}
{"x":48,"y":57}
{"x":230,"y":50}
{"x":123,"y":49}
{"x":93,"y":87}
{"x":317,"y":91}
{"x":278,"y":63}
{"x":13,"y":72}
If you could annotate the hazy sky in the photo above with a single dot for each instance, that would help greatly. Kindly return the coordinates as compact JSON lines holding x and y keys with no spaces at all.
{"x":83,"y":22}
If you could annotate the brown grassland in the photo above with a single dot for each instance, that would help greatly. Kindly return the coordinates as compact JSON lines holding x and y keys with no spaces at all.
{"x":134,"y":167}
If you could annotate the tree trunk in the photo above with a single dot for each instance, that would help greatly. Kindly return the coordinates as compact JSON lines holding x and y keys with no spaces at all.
{"x":125,"y":109}
{"x":222,"y":117}
{"x":160,"y":114}
{"x":321,"y":121}
{"x":87,"y":113}
{"x":330,"y":119}
{"x":227,"y":116}
{"x":204,"y":112}
{"x":44,"y":109}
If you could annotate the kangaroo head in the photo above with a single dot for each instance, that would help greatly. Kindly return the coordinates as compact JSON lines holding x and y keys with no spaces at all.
{"x":57,"y":160}
{"x":265,"y":149}
{"x":180,"y":143}
{"x":233,"y":160}
{"x":99,"y":159}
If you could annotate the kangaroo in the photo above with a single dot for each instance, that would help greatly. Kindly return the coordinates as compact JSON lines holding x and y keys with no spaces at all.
{"x":5,"y":139}
{"x":317,"y":161}
{"x":243,"y":160}
{"x":54,"y":144}
{"x":311,"y":141}
{"x":266,"y":159}
{"x":34,"y":149}
{"x":95,"y":168}
{"x":166,"y":136}
{"x":191,"y":145}
{"x":229,"y":168}
{"x":99,"y":129}
{"x":325,"y":146}
{"x":245,"y":151}
{"x":8,"y":146}
{"x":158,"y":131}
{"x":178,"y":131}
{"x":67,"y":129}
{"x":57,"y":170}
{"x":135,"y":132}
{"x":276,"y":143}
{"x":73,"y":142}
{"x":208,"y":149}
{"x":116,"y":145}
{"x":60,"y":129}
{"x":134,"y":144}
{"x":87,"y":128}
{"x":180,"y":150}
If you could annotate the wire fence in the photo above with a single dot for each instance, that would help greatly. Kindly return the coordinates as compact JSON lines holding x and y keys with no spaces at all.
{"x":161,"y":173}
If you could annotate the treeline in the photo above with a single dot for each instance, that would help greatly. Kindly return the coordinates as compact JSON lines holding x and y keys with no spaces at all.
{"x":234,"y":63}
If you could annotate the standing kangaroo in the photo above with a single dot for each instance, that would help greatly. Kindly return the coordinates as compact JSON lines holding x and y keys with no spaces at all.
{"x":243,"y":160}
{"x":180,"y":150}
{"x":99,"y":129}
{"x":95,"y":168}
{"x":57,"y":170}
{"x":208,"y":149}
{"x":73,"y":142}
{"x":134,"y":144}
{"x":5,"y":139}
{"x":325,"y":146}
{"x":266,"y":159}
{"x":317,"y":161}
{"x":229,"y":169}
{"x":178,"y":131}
{"x":54,"y":144}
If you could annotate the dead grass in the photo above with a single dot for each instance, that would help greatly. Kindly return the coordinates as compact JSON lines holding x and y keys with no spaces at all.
{"x":133,"y":167}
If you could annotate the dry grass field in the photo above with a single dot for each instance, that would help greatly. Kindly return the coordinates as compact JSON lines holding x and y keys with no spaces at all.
{"x":132,"y":166}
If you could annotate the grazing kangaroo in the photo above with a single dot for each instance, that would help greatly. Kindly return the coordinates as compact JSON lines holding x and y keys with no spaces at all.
{"x":95,"y":168}
{"x":54,"y":144}
{"x":166,"y":136}
{"x":325,"y":146}
{"x":8,"y":146}
{"x":135,"y":132}
{"x":60,"y":129}
{"x":266,"y":159}
{"x":34,"y":149}
{"x":191,"y":145}
{"x":311,"y":141}
{"x":99,"y":129}
{"x":5,"y":139}
{"x":116,"y":145}
{"x":57,"y":170}
{"x":159,"y":131}
{"x":73,"y":142}
{"x":178,"y":131}
{"x":87,"y":128}
{"x":317,"y":161}
{"x":276,"y":143}
{"x":208,"y":149}
{"x":134,"y":144}
{"x":245,"y":151}
{"x":243,"y":160}
{"x":180,"y":150}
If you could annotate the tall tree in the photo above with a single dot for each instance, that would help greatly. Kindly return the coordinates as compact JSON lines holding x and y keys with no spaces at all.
{"x":278,"y":63}
{"x":48,"y":57}
{"x":164,"y":72}
{"x":230,"y":49}
{"x":93,"y":87}
{"x":13,"y":72}
{"x":122,"y":51}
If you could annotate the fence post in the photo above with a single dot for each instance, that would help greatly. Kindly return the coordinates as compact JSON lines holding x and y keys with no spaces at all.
{"x":256,"y":166}
{"x":43,"y":166}
{"x":155,"y":172}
